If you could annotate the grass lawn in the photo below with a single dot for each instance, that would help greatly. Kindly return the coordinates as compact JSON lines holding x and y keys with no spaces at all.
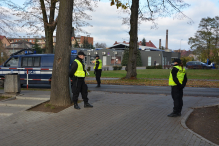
{"x":163,"y":74}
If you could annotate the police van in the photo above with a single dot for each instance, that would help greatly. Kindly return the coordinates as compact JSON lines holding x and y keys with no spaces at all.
{"x":42,"y":65}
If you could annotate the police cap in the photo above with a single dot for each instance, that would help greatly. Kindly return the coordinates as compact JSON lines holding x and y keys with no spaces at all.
{"x":177,"y":60}
{"x":81,"y":53}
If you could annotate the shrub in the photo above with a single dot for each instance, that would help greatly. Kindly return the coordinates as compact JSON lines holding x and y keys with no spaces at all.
{"x":117,"y":67}
{"x":154,"y":67}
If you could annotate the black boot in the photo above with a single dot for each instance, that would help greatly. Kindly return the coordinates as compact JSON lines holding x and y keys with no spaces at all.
{"x":87,"y":105}
{"x":76,"y":106}
{"x":173,"y":115}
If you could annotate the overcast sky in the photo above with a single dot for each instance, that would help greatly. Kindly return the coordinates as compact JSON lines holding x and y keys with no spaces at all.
{"x":107,"y":25}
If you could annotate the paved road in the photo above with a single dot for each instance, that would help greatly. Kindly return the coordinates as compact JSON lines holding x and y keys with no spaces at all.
{"x":116,"y":120}
{"x":189,"y":91}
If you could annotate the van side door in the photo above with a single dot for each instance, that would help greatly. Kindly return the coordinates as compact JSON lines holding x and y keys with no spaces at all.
{"x":31,"y":62}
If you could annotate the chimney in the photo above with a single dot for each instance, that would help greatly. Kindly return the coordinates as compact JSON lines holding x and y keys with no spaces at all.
{"x":159,"y":43}
{"x":166,"y":39}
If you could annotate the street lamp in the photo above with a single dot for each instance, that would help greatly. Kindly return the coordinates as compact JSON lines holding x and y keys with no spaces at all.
{"x":180,"y":43}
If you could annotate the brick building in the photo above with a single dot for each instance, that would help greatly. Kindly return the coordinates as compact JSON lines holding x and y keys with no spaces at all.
{"x":80,"y":40}
{"x":4,"y":41}
{"x":39,"y":40}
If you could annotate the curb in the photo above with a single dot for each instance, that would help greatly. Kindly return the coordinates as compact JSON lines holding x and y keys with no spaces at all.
{"x":183,"y":123}
{"x":32,"y":98}
{"x":6,"y":114}
{"x":15,"y":105}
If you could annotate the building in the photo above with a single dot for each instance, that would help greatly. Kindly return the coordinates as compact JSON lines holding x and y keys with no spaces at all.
{"x":114,"y":55}
{"x":5,"y":41}
{"x":41,"y":41}
{"x":19,"y":45}
{"x":80,"y":40}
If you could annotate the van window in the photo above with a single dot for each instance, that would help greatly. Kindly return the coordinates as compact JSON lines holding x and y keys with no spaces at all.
{"x":12,"y":63}
{"x":31,"y":61}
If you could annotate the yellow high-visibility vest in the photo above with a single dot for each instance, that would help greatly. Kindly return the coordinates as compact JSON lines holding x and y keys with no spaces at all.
{"x":180,"y":76}
{"x":79,"y":72}
{"x":100,"y":64}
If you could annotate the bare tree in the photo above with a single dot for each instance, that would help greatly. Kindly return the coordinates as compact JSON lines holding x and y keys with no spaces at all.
{"x":7,"y":26}
{"x":100,"y":45}
{"x":59,"y":89}
{"x":38,"y":14}
{"x":148,"y":11}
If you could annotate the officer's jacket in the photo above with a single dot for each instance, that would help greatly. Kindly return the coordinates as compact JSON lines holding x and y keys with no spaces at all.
{"x":98,"y":64}
{"x":77,"y":68}
{"x":177,"y":77}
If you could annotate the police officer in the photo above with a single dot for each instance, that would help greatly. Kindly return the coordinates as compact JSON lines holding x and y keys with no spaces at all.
{"x":177,"y":81}
{"x":77,"y":74}
{"x":98,"y":69}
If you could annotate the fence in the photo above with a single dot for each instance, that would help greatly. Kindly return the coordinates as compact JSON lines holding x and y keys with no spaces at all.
{"x":11,"y":68}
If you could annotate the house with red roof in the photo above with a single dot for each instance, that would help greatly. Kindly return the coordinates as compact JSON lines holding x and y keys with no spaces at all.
{"x":4,"y":41}
{"x":123,"y":45}
{"x":148,"y":44}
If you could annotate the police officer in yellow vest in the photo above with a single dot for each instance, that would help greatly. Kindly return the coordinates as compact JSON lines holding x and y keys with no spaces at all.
{"x":77,"y":74}
{"x":98,"y":69}
{"x":177,"y":81}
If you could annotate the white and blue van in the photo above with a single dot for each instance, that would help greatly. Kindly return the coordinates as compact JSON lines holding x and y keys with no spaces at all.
{"x":27,"y":60}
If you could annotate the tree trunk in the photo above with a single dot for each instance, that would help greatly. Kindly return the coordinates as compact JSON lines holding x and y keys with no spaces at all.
{"x":49,"y":40}
{"x":133,"y":33}
{"x":60,"y":80}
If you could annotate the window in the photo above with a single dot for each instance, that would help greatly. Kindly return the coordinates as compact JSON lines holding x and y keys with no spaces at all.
{"x":31,"y":62}
{"x":30,"y":40}
{"x":149,"y":60}
{"x":12,"y":63}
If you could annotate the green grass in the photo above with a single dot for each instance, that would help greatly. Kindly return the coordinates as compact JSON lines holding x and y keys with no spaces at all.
{"x":163,"y":74}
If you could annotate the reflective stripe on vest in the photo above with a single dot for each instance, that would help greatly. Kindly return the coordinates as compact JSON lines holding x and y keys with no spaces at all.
{"x":180,"y":76}
{"x":79,"y":72}
{"x":100,"y":64}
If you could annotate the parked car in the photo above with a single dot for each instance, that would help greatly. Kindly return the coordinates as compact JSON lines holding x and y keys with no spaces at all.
{"x":197,"y":65}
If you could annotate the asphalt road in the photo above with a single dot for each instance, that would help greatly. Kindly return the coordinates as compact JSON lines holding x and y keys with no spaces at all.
{"x":188,"y":91}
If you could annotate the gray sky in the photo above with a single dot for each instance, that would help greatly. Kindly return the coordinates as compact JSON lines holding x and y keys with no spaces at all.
{"x":107,"y":25}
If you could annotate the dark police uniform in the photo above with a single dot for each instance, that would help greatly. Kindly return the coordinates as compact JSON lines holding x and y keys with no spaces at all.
{"x":177,"y":81}
{"x":77,"y":74}
{"x":98,"y":70}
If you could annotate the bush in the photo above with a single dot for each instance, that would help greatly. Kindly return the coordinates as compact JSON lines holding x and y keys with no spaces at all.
{"x":154,"y":67}
{"x":88,"y":68}
{"x":117,"y":67}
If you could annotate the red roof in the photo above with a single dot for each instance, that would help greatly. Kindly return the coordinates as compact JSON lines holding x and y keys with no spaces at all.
{"x":1,"y":37}
{"x":149,"y":44}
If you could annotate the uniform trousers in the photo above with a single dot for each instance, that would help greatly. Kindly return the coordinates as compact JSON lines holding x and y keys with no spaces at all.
{"x":78,"y":87}
{"x":98,"y":75}
{"x":177,"y":95}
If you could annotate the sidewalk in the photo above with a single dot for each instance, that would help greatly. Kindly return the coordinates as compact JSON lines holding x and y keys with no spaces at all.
{"x":116,"y":120}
